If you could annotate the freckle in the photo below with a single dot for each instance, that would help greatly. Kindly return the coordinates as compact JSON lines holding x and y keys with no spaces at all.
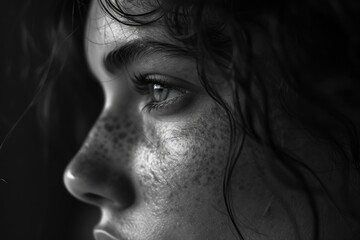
{"x":196,"y":179}
{"x":207,"y":163}
{"x":127,"y":124}
{"x":96,"y":135}
{"x":121,"y":135}
{"x":109,"y":127}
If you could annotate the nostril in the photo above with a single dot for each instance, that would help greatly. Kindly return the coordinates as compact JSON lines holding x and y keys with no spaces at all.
{"x":93,"y":197}
{"x":121,"y":202}
{"x":99,"y":200}
{"x":98,"y":184}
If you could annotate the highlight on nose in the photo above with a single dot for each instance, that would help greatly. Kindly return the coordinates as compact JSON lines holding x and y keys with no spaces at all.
{"x":98,"y":184}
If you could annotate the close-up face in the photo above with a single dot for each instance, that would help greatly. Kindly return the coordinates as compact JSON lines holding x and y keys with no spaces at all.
{"x":155,"y":160}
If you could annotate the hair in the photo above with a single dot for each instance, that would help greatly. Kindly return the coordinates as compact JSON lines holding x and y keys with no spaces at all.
{"x":312,"y":71}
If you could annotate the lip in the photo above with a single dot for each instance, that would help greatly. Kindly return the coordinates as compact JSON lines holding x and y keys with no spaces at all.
{"x":104,"y":234}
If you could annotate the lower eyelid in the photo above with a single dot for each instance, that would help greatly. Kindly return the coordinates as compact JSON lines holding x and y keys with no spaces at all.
{"x":169,"y":107}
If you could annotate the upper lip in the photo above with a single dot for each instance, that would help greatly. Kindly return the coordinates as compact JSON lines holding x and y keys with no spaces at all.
{"x":106,"y":233}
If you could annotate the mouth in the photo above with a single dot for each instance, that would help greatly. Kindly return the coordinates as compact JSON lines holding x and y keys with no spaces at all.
{"x":102,"y":234}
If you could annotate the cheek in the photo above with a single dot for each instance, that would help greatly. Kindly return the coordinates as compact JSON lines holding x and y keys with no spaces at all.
{"x":184,"y":166}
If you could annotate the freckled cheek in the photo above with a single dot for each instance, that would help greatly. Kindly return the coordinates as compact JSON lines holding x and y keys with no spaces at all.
{"x":186,"y":169}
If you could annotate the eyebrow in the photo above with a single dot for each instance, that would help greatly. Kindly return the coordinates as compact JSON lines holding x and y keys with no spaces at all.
{"x":137,"y":49}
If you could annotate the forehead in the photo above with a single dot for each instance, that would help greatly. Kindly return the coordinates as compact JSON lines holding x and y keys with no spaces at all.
{"x":103,"y":28}
{"x":103,"y":33}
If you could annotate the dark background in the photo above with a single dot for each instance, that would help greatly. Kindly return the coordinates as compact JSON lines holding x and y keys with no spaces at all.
{"x":34,"y":203}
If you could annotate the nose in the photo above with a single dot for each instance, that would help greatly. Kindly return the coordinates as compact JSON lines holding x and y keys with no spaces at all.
{"x":99,"y":173}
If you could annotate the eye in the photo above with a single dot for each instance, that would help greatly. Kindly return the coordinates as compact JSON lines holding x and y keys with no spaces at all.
{"x":159,"y":93}
{"x":163,"y":94}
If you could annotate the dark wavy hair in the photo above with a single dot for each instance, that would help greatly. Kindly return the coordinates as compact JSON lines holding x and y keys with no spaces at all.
{"x":311,"y":72}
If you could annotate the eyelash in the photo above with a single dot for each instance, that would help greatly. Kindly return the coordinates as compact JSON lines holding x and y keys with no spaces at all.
{"x":143,"y":85}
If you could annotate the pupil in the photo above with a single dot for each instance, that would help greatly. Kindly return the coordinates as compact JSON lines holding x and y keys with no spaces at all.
{"x":160,"y":93}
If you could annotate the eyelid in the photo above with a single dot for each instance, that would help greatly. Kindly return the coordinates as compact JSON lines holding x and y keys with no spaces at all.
{"x":169,"y":81}
{"x":144,"y":83}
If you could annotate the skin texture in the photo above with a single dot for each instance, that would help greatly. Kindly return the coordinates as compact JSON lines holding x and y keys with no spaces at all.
{"x":157,"y":175}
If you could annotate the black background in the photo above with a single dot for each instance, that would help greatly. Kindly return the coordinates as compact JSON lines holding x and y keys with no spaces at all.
{"x":34,"y":203}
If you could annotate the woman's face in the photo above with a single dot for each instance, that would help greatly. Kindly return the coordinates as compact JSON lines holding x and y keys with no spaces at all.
{"x":155,"y":160}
